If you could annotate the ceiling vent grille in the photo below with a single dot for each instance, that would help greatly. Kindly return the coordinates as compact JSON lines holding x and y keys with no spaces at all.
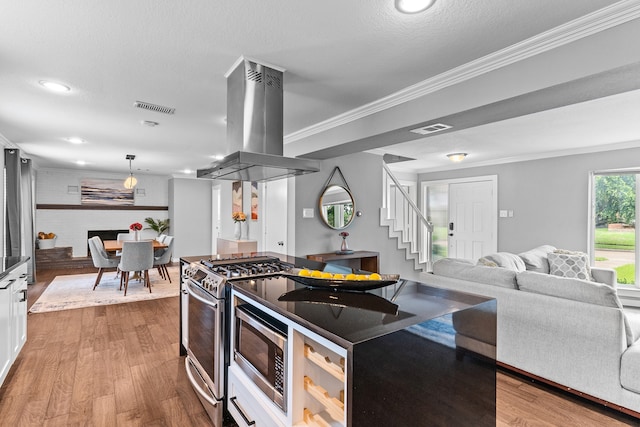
{"x":154,"y":107}
{"x":426,"y":130}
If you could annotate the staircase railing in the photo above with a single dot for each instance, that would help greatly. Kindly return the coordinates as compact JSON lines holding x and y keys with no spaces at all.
{"x":406,"y":222}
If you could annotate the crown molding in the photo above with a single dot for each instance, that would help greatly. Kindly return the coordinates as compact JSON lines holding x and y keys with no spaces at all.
{"x":585,"y":26}
{"x":4,"y":142}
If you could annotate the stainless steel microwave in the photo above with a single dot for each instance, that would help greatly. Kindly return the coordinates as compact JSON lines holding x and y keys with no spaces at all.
{"x":260,"y":350}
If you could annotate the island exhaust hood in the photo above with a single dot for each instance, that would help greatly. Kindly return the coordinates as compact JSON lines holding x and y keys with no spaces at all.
{"x":254,"y":128}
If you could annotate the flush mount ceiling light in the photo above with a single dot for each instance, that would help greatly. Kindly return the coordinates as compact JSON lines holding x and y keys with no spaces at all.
{"x":53,"y":86}
{"x":76,"y":140}
{"x":457,"y":157}
{"x":131,"y":180}
{"x":413,"y":6}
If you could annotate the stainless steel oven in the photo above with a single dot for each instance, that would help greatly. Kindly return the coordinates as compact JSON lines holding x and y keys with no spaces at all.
{"x":260,"y":351}
{"x":205,"y":325}
{"x":205,"y":361}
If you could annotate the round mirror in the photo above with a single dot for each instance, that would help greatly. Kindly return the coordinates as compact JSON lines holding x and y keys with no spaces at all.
{"x":336,"y":207}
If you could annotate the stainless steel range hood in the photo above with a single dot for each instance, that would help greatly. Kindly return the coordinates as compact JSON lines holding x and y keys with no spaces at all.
{"x":254,"y":128}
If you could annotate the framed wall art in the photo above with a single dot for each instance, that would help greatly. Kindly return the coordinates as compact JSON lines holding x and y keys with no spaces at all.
{"x":236,"y":197}
{"x":254,"y":200}
{"x":111,"y":192}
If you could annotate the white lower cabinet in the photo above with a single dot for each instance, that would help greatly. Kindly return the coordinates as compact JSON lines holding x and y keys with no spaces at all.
{"x":6,"y":350}
{"x":246,"y":405}
{"x":13,"y":317}
{"x":19,"y":312}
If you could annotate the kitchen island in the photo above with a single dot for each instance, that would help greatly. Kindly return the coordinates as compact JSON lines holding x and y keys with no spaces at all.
{"x":386,"y":356}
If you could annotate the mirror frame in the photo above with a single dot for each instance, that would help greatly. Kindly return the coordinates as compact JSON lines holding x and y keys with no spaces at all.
{"x":321,"y":210}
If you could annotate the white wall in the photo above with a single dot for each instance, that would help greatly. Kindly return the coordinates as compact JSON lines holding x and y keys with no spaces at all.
{"x":549,"y":197}
{"x":71,"y":226}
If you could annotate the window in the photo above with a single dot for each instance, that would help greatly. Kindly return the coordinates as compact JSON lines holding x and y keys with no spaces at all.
{"x":614,"y":217}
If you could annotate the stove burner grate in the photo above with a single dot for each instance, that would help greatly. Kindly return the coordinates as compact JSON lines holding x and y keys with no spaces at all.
{"x":233,"y":268}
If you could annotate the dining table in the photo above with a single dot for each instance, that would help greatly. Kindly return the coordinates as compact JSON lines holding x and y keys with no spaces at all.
{"x":116,"y":245}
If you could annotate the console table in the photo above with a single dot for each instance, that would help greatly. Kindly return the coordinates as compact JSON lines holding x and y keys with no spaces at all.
{"x":363,"y":260}
{"x":228,"y":246}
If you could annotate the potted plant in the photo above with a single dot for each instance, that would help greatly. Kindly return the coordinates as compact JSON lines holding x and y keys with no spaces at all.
{"x":159,"y":225}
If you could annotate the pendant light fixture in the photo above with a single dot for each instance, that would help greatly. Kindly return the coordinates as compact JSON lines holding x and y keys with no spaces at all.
{"x":131,"y":180}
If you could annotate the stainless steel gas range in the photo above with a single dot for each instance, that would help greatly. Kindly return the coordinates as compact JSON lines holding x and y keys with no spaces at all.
{"x":204,"y":320}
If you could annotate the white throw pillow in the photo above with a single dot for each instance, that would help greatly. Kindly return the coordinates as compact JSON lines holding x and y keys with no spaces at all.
{"x":536,"y":258}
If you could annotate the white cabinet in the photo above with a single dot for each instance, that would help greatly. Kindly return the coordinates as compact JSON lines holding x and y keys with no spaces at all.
{"x":19,"y":310}
{"x":13,"y":317}
{"x":5,"y":329}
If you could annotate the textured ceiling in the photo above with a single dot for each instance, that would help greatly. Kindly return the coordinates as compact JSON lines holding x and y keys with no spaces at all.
{"x":338,"y":56}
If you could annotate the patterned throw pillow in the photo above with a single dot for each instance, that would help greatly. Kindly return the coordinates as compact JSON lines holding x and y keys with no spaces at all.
{"x":569,"y":264}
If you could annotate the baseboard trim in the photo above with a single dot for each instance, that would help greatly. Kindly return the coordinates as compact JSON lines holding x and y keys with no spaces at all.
{"x":569,"y":390}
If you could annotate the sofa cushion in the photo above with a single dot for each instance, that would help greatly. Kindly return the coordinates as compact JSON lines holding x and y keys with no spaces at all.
{"x":568,"y":288}
{"x":569,"y":264}
{"x":536,"y":259}
{"x":466,"y":270}
{"x":504,"y":260}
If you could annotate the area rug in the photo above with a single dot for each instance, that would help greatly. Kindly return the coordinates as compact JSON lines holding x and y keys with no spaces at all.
{"x":439,"y":330}
{"x":75,"y":291}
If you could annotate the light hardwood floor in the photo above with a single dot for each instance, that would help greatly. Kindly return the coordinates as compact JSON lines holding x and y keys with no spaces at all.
{"x":119,"y":365}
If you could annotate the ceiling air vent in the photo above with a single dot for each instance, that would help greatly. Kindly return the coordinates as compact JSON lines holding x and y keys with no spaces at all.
{"x":154,"y":107}
{"x":426,"y":130}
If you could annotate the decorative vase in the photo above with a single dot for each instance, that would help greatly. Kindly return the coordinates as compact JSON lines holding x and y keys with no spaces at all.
{"x":238,"y":230}
{"x":344,"y":247}
{"x":136,"y":235}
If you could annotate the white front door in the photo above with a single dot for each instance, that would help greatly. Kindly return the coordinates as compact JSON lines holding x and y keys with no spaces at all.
{"x":275,"y":216}
{"x":472,"y":222}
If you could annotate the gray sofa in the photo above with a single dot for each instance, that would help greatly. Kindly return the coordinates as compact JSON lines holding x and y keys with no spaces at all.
{"x":568,"y":331}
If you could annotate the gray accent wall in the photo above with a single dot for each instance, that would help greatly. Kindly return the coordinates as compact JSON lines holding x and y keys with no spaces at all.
{"x":549,"y":197}
{"x":363,"y":173}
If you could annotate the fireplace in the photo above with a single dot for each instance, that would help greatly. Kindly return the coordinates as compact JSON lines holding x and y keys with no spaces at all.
{"x":105,"y":234}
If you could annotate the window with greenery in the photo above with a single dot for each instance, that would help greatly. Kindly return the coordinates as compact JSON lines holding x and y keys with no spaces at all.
{"x":614,"y":220}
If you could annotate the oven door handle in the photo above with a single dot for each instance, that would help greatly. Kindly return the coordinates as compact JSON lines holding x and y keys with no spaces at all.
{"x":195,"y":384}
{"x":199,"y":298}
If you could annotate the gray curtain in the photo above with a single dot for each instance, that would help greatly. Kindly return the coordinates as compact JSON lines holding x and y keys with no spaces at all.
{"x":28,"y":217}
{"x":19,"y":209}
{"x":13,"y":203}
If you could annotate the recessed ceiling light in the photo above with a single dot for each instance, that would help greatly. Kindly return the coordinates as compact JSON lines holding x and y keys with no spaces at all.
{"x":187,"y":171}
{"x":53,"y":86}
{"x":150,"y":123}
{"x":76,"y":140}
{"x":81,"y":162}
{"x":413,"y":6}
{"x":218,"y":157}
